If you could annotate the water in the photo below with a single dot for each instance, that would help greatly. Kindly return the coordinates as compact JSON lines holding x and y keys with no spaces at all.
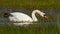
{"x":53,"y":13}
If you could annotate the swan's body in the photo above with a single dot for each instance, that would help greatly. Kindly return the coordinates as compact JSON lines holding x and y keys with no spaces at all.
{"x":21,"y":17}
{"x":18,"y":17}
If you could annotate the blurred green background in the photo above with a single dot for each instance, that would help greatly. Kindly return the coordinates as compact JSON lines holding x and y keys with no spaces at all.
{"x":29,"y":3}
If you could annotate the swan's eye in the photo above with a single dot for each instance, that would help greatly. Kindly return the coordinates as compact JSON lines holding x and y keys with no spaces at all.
{"x":44,"y":15}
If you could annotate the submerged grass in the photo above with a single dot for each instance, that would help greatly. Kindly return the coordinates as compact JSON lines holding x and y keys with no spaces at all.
{"x":45,"y":26}
{"x":45,"y":29}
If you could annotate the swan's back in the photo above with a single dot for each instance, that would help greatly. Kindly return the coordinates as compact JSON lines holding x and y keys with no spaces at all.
{"x":17,"y":16}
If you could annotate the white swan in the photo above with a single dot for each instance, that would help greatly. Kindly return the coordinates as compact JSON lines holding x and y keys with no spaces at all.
{"x":21,"y":17}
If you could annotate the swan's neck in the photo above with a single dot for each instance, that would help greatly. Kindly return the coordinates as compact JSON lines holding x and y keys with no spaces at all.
{"x":37,"y":11}
{"x":34,"y":17}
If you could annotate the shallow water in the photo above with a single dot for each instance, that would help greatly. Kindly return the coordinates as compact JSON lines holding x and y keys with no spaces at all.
{"x":53,"y":14}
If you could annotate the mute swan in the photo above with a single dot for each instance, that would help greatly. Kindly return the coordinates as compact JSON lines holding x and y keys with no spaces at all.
{"x":21,"y":17}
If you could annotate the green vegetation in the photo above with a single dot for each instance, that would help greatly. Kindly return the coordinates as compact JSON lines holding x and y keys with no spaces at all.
{"x":29,"y":3}
{"x":44,"y":29}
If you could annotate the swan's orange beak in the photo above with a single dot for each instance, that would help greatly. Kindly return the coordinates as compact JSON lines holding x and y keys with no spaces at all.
{"x":46,"y":17}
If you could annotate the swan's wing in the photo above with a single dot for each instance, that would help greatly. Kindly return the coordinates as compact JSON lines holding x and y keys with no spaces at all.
{"x":21,"y":16}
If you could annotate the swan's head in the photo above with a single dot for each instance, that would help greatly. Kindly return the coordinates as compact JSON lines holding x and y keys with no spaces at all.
{"x":7,"y":14}
{"x":44,"y":15}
